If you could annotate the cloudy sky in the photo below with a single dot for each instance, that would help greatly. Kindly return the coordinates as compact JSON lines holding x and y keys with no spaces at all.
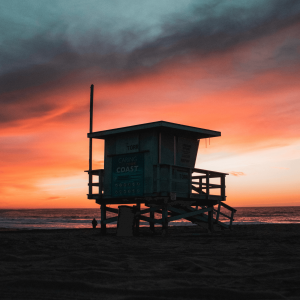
{"x":226,"y":65}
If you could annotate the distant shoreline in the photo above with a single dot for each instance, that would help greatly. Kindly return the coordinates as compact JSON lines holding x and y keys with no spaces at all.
{"x":111,"y":230}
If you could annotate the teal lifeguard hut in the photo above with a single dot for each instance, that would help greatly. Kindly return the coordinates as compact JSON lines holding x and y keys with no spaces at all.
{"x":154,"y":164}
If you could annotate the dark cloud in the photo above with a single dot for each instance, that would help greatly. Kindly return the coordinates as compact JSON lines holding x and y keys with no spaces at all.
{"x":211,"y":29}
{"x":216,"y":33}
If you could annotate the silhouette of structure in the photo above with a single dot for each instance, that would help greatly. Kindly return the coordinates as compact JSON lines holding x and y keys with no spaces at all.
{"x":154,"y":164}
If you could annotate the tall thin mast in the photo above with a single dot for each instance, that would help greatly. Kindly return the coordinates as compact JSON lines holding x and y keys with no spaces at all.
{"x":91,"y":141}
{"x":91,"y":108}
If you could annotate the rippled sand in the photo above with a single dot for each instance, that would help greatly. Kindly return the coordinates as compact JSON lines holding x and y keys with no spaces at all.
{"x":249,"y":262}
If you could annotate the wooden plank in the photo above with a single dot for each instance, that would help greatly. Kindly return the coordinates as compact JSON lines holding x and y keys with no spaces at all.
{"x":93,"y":196}
{"x":94,"y":184}
{"x":151,"y":209}
{"x":202,"y":218}
{"x":159,"y":221}
{"x":211,"y":185}
{"x":110,"y":220}
{"x":204,"y":176}
{"x":113,"y":210}
{"x":223,"y":214}
{"x":196,"y":189}
{"x":94,"y":172}
{"x":189,"y":214}
{"x":208,"y":171}
{"x":180,"y":211}
{"x":228,"y":207}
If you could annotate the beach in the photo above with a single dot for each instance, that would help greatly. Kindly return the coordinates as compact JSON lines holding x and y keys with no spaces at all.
{"x":248,"y":262}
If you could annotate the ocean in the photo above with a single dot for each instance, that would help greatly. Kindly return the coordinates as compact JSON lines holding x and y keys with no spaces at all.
{"x":82,"y":217}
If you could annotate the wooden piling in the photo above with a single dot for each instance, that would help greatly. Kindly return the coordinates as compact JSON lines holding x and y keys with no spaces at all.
{"x":152,"y":228}
{"x":137,"y":219}
{"x":165,"y":219}
{"x":103,"y":218}
{"x":211,"y":219}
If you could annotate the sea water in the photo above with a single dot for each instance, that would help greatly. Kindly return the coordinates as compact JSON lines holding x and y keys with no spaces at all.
{"x":82,"y":217}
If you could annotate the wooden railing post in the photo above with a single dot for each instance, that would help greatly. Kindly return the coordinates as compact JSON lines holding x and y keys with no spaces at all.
{"x":100,"y":184}
{"x":207,"y":185}
{"x":223,"y":187}
{"x":218,"y":212}
{"x":200,"y":185}
{"x":90,"y":183}
{"x":190,"y":182}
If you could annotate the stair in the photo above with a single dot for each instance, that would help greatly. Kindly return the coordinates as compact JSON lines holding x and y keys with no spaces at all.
{"x":200,"y":216}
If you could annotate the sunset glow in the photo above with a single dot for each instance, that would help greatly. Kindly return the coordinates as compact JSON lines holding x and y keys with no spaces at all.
{"x":189,"y":63}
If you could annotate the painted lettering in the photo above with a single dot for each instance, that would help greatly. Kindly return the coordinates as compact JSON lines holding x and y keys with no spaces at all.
{"x":127,"y":159}
{"x":133,"y":147}
{"x":127,"y":169}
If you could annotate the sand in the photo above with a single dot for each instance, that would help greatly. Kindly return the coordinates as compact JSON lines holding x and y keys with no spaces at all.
{"x":249,"y":262}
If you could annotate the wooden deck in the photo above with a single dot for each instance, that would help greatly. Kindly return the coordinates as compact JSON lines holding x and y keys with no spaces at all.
{"x":184,"y":194}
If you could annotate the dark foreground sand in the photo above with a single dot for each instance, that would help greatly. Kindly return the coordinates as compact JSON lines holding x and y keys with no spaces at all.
{"x":250,"y":262}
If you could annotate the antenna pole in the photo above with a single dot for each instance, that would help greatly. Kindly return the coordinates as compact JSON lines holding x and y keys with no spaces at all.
{"x":91,"y":108}
{"x":91,"y":141}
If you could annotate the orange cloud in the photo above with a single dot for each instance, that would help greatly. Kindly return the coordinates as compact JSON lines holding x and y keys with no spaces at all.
{"x":237,"y":173}
{"x":44,"y":139}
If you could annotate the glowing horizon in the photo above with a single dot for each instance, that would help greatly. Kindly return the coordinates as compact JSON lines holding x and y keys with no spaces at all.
{"x":189,"y":63}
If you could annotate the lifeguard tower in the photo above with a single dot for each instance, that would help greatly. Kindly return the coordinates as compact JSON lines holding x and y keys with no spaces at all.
{"x":154,"y":164}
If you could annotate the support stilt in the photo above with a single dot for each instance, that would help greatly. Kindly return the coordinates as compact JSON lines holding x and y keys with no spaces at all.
{"x":103,"y":218}
{"x":137,"y":220}
{"x":211,"y":220}
{"x":165,"y":219}
{"x":152,"y":228}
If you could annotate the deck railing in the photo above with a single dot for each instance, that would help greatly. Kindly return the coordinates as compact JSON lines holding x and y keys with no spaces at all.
{"x":99,"y":183}
{"x":231,"y":210}
{"x":188,"y":181}
{"x":169,"y":178}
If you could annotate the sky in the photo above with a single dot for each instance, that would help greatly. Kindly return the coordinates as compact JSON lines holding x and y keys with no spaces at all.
{"x":226,"y":65}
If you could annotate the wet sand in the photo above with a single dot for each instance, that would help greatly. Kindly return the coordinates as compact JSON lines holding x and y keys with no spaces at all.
{"x":249,"y":262}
